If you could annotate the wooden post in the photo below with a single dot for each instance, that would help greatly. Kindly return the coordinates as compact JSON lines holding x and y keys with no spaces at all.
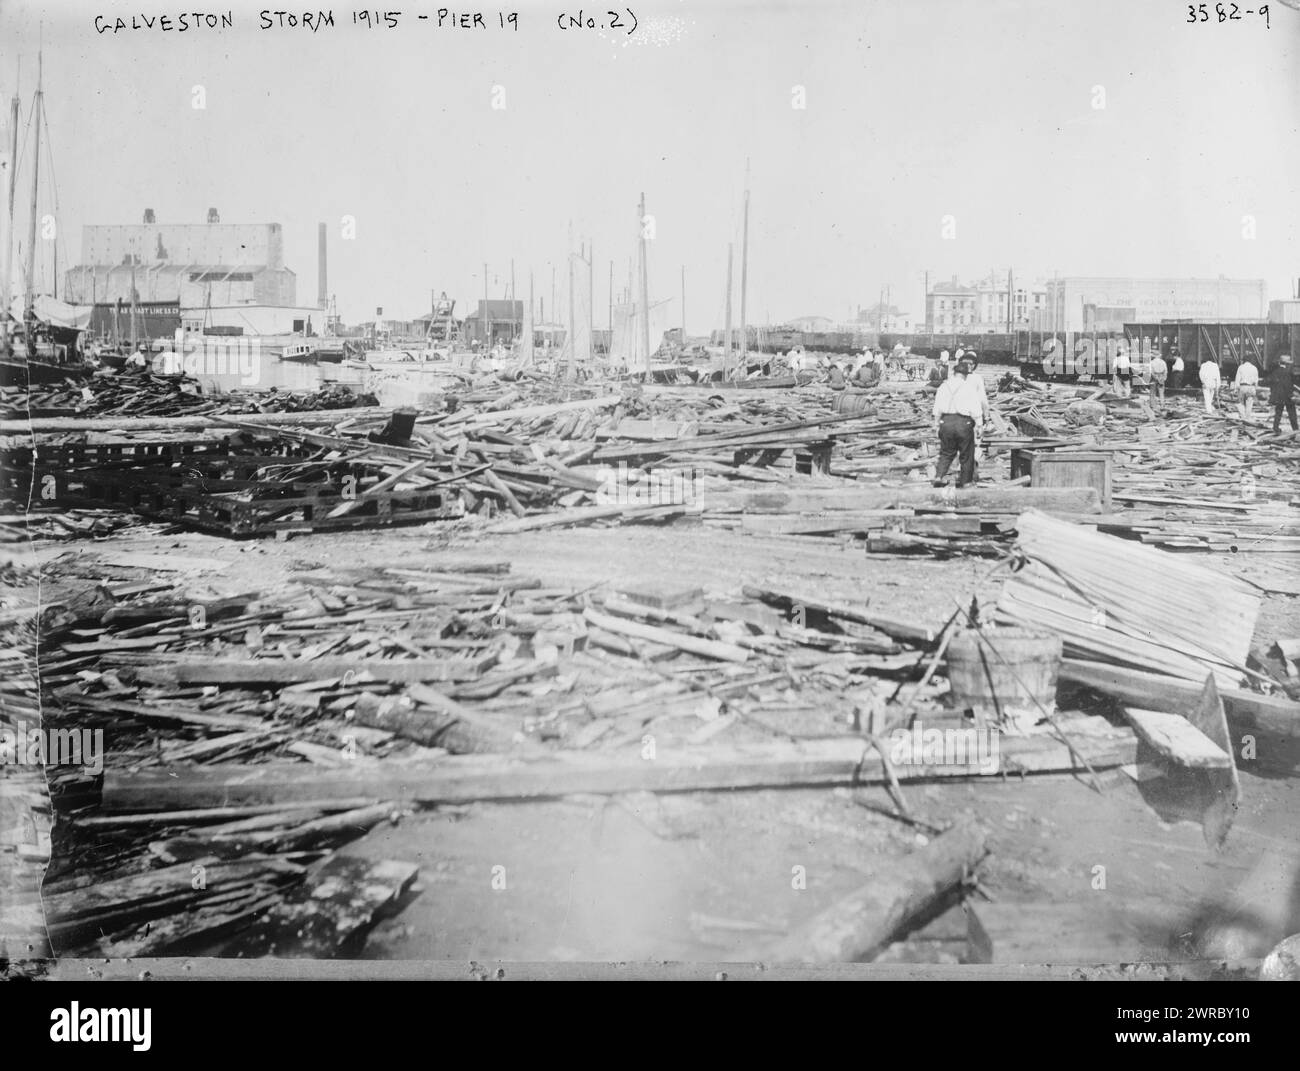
{"x":514,"y":328}
{"x":726,"y":333}
{"x":591,"y":303}
{"x":532,"y":328}
{"x":744,"y":273}
{"x":683,"y":306}
{"x":28,"y":314}
{"x":485,"y":305}
{"x":645,"y":292}
{"x":570,"y":341}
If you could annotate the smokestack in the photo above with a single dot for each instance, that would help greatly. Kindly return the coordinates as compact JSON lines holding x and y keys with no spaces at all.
{"x":322,"y":290}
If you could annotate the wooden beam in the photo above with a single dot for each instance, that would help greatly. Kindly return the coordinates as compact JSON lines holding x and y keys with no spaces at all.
{"x":986,"y":500}
{"x":900,"y":895}
{"x":465,"y":778}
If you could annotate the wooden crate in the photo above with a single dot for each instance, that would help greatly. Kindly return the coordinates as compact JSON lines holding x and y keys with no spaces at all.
{"x":1065,"y":468}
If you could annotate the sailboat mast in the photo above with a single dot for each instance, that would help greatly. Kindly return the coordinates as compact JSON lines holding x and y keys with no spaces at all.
{"x":726,"y":334}
{"x":14,"y":105}
{"x":572,"y":342}
{"x":744,"y":272}
{"x":28,"y":314}
{"x":645,"y":293}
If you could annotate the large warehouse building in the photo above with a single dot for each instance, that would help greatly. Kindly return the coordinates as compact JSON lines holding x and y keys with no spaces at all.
{"x":190,"y":264}
{"x":1106,"y":303}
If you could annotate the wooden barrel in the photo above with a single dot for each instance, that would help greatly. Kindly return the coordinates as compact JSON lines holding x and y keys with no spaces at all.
{"x":857,"y":402}
{"x":1005,"y":672}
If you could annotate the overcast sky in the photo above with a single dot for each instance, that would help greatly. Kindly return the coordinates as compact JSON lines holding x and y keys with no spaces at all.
{"x":914,"y":111}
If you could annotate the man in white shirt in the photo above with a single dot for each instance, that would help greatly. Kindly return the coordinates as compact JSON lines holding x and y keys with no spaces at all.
{"x":1159,"y":373}
{"x":1175,"y":368}
{"x":1123,"y":372}
{"x":1210,"y":382}
{"x":957,"y":411}
{"x":1247,"y":384}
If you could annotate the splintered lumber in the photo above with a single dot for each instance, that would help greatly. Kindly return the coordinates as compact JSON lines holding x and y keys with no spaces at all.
{"x":331,"y":911}
{"x":245,"y":838}
{"x":902,"y":896}
{"x":582,"y":515}
{"x":1247,"y":711}
{"x":92,"y":910}
{"x":979,"y":499}
{"x":891,"y":626}
{"x":1116,"y":601}
{"x":466,"y":778}
{"x":256,"y":671}
{"x":726,"y":652}
{"x":447,"y":723}
{"x":61,"y":425}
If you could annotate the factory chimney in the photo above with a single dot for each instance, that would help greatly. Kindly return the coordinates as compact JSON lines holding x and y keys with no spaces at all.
{"x":148,"y":215}
{"x":322,"y":290}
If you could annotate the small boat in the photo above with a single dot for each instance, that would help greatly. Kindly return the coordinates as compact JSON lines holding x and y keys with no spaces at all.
{"x":303,"y":352}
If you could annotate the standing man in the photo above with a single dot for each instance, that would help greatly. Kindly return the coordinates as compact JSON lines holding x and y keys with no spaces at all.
{"x":1247,"y":383}
{"x":1176,"y":368}
{"x":1210,"y":383}
{"x":1281,"y":383}
{"x":957,"y":410}
{"x":1123,"y":372}
{"x":1159,"y":373}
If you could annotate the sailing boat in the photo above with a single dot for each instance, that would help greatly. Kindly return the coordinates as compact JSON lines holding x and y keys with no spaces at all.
{"x":51,"y":328}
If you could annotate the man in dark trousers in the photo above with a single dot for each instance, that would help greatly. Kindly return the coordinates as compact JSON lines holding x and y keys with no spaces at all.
{"x":958,"y":409}
{"x":1281,"y":384}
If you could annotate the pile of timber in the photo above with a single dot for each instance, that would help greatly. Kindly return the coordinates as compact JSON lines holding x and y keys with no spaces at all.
{"x":253,"y":733}
{"x":107,"y":395}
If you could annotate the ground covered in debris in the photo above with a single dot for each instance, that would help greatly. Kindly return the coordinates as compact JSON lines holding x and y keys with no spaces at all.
{"x":560,"y":721}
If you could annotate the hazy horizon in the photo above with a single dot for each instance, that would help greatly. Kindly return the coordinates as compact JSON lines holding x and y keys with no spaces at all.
{"x":914,"y":112}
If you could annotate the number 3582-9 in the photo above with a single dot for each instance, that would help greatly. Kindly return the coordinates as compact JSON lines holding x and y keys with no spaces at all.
{"x":1225,"y":13}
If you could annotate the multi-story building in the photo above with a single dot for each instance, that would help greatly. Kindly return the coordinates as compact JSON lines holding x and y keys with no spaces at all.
{"x":887,"y":319}
{"x":191,"y":264}
{"x":1106,"y":303}
{"x":984,"y":306}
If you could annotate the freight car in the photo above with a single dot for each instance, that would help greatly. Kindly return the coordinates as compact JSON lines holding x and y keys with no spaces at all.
{"x":1084,"y":356}
{"x":991,"y":346}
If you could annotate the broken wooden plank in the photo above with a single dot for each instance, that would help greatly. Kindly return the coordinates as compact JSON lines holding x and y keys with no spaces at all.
{"x":901,"y":896}
{"x":986,"y":500}
{"x":257,"y":671}
{"x":1175,"y":739}
{"x":726,"y":652}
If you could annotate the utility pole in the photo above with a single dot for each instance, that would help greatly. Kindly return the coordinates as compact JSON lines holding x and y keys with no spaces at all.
{"x":611,"y":303}
{"x":683,"y":306}
{"x":514,"y":327}
{"x":1011,"y":293}
{"x":485,"y":306}
{"x":726,"y":334}
{"x":744,"y":272}
{"x":591,"y":302}
{"x":645,"y":291}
